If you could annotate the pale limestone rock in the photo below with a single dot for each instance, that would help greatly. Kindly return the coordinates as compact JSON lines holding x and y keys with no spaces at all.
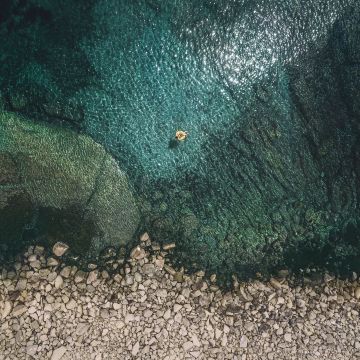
{"x":58,"y":353}
{"x":275,"y":284}
{"x":357,"y":292}
{"x":52,"y":262}
{"x":58,"y":282}
{"x":249,"y":326}
{"x":82,"y":329}
{"x":105,"y":274}
{"x":129,"y":318}
{"x":19,"y":310}
{"x":138,"y":277}
{"x":178,"y":318}
{"x":43,"y":273}
{"x":159,"y":263}
{"x":32,"y":310}
{"x":52,"y":276}
{"x":80,"y":276}
{"x":195,"y":340}
{"x":117,"y":278}
{"x":71,"y":305}
{"x":60,"y":248}
{"x":104,"y":313}
{"x":116,"y":306}
{"x":35,"y":264}
{"x":312,"y":315}
{"x":92,"y":276}
{"x":135,"y":349}
{"x":147,"y":313}
{"x":7,"y":306}
{"x":137,"y":253}
{"x":169,"y":269}
{"x":167,"y":314}
{"x":148,"y":269}
{"x":169,"y":246}
{"x":144,"y":237}
{"x":243,"y":341}
{"x":31,"y":350}
{"x":188,"y":345}
{"x":21,"y":285}
{"x":65,"y":272}
{"x":280,"y":300}
{"x":32,"y":258}
{"x":196,"y":354}
{"x":119,"y":324}
{"x":39,"y":250}
{"x":48,"y":307}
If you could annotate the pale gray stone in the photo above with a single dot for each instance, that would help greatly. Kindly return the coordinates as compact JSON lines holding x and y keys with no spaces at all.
{"x":60,"y":248}
{"x":148,"y":269}
{"x":19,"y":310}
{"x":65,"y":272}
{"x":243,"y":341}
{"x":357,"y":292}
{"x":71,"y":305}
{"x":82,"y":329}
{"x":188,"y":345}
{"x":58,"y":353}
{"x":137,"y":253}
{"x":7,"y":306}
{"x":58,"y":282}
{"x":31,"y":350}
{"x":135,"y":349}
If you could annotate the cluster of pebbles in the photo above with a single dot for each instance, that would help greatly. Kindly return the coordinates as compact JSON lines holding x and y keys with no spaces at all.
{"x":149,"y":310}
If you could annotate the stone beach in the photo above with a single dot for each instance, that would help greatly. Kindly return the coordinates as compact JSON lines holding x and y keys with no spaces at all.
{"x":146,"y":309}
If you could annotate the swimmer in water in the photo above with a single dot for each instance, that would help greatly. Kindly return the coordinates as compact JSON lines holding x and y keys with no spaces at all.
{"x":181,"y":135}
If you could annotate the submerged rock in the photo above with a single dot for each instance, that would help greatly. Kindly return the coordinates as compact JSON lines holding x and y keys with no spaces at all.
{"x":137,"y":253}
{"x":61,"y":185}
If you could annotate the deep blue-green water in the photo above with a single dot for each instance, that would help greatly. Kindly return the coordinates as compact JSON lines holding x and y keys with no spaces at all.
{"x":268,"y":92}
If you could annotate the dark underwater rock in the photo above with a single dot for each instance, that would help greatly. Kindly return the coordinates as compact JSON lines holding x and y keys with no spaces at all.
{"x":61,"y":186}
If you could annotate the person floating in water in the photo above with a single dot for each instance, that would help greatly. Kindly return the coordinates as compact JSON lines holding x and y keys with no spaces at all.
{"x":181,"y":135}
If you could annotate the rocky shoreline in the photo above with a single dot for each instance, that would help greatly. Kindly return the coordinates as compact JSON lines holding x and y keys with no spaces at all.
{"x":147,"y":309}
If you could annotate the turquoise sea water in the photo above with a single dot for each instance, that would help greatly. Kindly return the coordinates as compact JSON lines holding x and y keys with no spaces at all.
{"x":191,"y":65}
{"x":267,"y":91}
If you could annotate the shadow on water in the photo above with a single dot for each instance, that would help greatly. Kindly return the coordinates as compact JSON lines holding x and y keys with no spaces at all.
{"x":44,"y":226}
{"x":13,"y":220}
{"x":173,"y":144}
{"x":338,"y":254}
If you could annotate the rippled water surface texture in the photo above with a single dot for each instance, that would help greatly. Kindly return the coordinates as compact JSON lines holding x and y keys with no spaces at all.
{"x":268,"y":93}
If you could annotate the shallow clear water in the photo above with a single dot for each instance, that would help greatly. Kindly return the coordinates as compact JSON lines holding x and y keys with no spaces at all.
{"x":190,"y":65}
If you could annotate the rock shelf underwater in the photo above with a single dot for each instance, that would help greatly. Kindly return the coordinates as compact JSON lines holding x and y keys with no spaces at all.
{"x":269,"y":94}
